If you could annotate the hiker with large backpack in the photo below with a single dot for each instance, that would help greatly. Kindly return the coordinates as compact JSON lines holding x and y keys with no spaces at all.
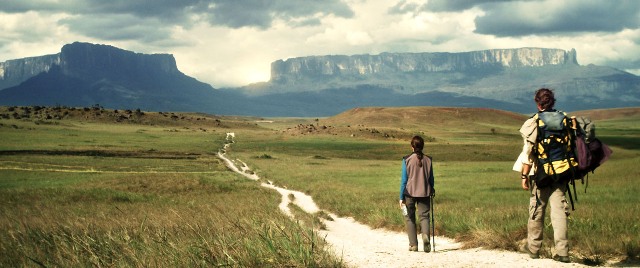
{"x":416,"y":194}
{"x":548,"y":165}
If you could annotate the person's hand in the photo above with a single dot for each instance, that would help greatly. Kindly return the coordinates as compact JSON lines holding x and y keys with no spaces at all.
{"x":525,"y":183}
{"x":401,"y":203}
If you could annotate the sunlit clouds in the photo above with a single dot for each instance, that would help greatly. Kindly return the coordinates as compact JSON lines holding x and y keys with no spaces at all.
{"x":232,"y":43}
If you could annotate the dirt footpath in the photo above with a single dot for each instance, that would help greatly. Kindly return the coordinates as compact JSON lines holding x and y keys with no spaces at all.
{"x":360,"y":246}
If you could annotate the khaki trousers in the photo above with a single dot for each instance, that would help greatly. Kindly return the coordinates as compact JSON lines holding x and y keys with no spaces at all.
{"x":417,"y":206}
{"x":553,"y":196}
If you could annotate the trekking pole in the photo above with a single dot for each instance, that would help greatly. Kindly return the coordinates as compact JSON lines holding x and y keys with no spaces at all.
{"x":570,"y":197}
{"x":433,"y":224}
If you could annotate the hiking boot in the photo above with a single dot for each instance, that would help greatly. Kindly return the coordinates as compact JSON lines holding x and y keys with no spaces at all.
{"x":413,"y":248}
{"x":425,"y":243}
{"x":532,"y":255}
{"x":561,"y":258}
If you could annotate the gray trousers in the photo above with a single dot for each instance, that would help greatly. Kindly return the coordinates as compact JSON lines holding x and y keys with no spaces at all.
{"x":553,"y":196}
{"x":417,"y":206}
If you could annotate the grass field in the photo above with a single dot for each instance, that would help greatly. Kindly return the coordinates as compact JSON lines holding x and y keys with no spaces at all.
{"x":479,"y":199}
{"x":93,"y":192}
{"x":148,"y":190}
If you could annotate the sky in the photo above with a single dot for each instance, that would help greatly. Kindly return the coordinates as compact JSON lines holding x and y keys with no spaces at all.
{"x":230,"y":43}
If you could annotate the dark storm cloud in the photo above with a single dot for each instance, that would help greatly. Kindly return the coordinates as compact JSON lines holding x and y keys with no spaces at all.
{"x":118,"y":27}
{"x":143,"y":20}
{"x":19,"y":6}
{"x":236,"y":14}
{"x":261,"y":13}
{"x":404,"y":6}
{"x":529,"y":17}
{"x":153,"y":20}
{"x":169,"y":10}
{"x":516,"y":19}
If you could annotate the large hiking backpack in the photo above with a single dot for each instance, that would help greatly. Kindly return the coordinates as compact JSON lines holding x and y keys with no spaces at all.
{"x":554,"y":149}
{"x":586,"y":128}
{"x":590,"y":151}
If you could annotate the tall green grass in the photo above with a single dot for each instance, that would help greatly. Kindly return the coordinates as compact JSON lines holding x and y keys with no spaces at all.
{"x":152,"y":220}
{"x":98,"y":194}
{"x":479,"y":199}
{"x":111,"y":195}
{"x":84,"y":136}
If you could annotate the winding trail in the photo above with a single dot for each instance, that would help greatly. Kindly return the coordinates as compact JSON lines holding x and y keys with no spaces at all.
{"x":361,"y":246}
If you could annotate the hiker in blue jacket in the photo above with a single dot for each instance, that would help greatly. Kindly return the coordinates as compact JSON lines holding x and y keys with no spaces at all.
{"x":416,"y":192}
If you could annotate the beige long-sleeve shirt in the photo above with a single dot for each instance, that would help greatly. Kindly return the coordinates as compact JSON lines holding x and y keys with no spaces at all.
{"x":529,"y":134}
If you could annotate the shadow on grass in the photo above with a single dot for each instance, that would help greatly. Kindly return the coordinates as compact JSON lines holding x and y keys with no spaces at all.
{"x":634,"y":262}
{"x":133,"y":154}
{"x":630,"y":143}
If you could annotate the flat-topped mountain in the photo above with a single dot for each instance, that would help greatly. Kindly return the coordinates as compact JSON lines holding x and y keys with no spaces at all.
{"x":324,"y":67}
{"x":14,"y":72}
{"x":88,"y":60}
{"x":84,"y":74}
{"x":496,"y":78}
{"x":408,"y":72}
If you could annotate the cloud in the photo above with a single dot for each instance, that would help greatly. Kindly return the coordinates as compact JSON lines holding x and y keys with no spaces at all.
{"x":165,"y":10}
{"x":21,"y":6}
{"x":118,"y":27}
{"x":622,"y":51}
{"x":535,"y":17}
{"x":553,"y":17}
{"x":405,"y":6}
{"x":170,"y":10}
{"x":236,"y":14}
{"x":233,"y":42}
{"x":26,"y":26}
{"x":113,"y":21}
{"x":461,"y":5}
{"x":456,"y":5}
{"x":147,"y":21}
{"x":262,"y":13}
{"x":29,"y":34}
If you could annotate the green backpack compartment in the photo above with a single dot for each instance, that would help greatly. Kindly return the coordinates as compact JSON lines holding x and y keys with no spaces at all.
{"x":554,"y":149}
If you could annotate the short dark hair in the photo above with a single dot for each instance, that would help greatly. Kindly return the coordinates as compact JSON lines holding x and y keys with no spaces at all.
{"x":545,"y":99}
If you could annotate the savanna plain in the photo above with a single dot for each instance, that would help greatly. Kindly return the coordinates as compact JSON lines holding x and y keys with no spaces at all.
{"x":98,"y":187}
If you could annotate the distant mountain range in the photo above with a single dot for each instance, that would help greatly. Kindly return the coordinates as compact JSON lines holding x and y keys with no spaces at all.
{"x":84,"y":74}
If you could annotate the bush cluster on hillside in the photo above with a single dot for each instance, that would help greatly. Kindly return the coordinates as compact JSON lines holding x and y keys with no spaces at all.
{"x":45,"y":115}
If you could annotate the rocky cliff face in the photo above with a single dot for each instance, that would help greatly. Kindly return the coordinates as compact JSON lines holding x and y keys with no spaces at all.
{"x":100,"y":60}
{"x":85,"y":74}
{"x":497,"y":78}
{"x":84,"y":59}
{"x":13,"y":72}
{"x":416,"y":63}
